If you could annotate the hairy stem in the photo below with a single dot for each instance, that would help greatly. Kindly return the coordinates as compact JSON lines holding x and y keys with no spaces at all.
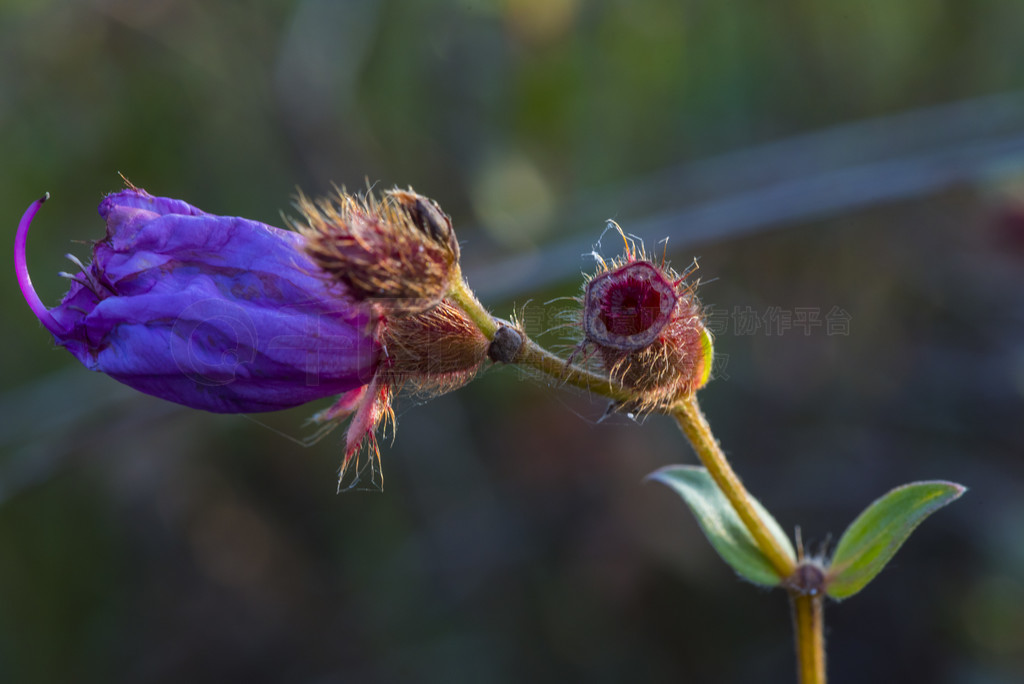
{"x":809,"y":630}
{"x":808,"y":617}
{"x":534,"y":356}
{"x":686,"y":412}
{"x":464,"y":298}
{"x":691,"y":419}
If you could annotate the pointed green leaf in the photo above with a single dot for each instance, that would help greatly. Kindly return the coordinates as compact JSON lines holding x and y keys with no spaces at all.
{"x":721,"y":525}
{"x":878,"y":533}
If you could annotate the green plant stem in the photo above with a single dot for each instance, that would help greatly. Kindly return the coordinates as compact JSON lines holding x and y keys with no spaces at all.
{"x":809,"y":630}
{"x":807,"y":610}
{"x":695,"y":426}
{"x":686,"y":412}
{"x":534,"y":356}
{"x":460,"y":294}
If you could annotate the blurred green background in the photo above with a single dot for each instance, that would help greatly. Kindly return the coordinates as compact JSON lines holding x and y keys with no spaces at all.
{"x":865,"y":159}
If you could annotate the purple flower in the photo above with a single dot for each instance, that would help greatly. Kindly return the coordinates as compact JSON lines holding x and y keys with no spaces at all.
{"x":213,"y":312}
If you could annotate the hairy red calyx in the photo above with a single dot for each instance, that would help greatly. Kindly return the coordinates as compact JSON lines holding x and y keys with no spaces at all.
{"x":398,"y":256}
{"x":435,"y":351}
{"x":430,"y":352}
{"x":644,"y":323}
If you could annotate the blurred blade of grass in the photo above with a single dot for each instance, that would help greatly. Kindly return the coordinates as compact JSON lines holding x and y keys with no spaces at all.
{"x":40,"y":417}
{"x":839,"y":169}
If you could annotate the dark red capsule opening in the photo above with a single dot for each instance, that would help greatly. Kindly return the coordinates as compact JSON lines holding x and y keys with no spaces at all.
{"x":627,"y":307}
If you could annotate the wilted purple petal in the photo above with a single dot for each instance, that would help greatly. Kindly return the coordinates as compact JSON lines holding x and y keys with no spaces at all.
{"x":219,"y":313}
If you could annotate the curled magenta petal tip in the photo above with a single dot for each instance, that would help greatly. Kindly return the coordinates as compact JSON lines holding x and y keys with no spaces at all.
{"x":21,"y":269}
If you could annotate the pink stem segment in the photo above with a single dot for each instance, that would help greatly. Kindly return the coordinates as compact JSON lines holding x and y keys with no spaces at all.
{"x":21,"y":269}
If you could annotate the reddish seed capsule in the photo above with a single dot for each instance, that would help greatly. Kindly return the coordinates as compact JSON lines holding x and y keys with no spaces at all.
{"x":645,"y":324}
{"x":628,"y":307}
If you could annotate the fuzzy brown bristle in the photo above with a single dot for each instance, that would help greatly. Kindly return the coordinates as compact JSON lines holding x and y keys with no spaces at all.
{"x":398,"y":251}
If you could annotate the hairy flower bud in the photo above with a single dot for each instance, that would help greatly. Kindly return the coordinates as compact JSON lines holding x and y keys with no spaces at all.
{"x":235,"y":316}
{"x":645,"y":324}
{"x":399,"y":251}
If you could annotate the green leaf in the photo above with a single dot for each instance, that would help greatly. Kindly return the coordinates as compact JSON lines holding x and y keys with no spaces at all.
{"x":878,"y":533}
{"x":721,"y":525}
